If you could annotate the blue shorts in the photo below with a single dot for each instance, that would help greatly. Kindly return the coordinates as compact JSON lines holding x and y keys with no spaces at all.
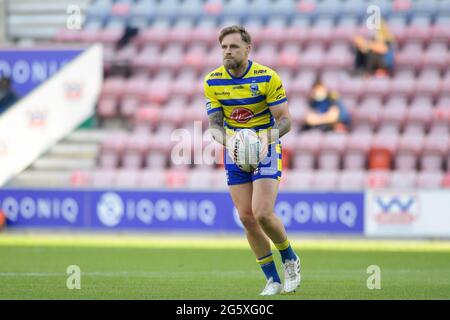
{"x":270,"y":167}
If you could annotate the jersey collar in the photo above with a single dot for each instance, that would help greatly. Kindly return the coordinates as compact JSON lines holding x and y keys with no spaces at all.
{"x":250,"y":62}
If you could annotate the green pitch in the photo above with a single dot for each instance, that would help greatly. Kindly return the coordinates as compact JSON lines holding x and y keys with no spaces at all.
{"x":142,"y":267}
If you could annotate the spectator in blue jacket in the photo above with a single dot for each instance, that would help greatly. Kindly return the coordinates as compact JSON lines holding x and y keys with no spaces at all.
{"x":327,"y":112}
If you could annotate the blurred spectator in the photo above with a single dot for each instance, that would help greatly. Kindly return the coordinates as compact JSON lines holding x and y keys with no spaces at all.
{"x":375,"y":55}
{"x":7,"y":95}
{"x":326,"y":112}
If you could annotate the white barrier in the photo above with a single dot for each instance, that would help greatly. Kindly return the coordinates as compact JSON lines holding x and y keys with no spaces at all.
{"x":415,"y":213}
{"x":50,"y":112}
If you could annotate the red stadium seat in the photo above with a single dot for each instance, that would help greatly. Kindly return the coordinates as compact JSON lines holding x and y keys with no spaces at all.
{"x":378,"y":179}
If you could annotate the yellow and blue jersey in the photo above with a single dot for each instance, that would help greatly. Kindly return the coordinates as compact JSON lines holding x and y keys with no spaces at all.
{"x":245,"y":101}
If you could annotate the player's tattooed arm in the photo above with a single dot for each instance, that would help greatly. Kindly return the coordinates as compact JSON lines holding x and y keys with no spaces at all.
{"x":283,"y":121}
{"x":216,"y":127}
{"x":283,"y":125}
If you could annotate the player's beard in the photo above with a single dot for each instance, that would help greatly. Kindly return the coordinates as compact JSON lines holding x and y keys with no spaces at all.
{"x":232,"y":63}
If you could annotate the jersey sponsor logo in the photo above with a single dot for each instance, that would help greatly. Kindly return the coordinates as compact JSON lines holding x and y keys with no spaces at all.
{"x":259,"y":71}
{"x":216,"y":74}
{"x":238,"y":87}
{"x":223,"y":93}
{"x":241,"y":115}
{"x":254,"y":89}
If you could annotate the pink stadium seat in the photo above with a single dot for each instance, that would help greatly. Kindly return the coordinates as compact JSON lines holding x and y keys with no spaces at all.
{"x":172,"y":57}
{"x":127,"y":178}
{"x":290,"y":55}
{"x":200,"y":179}
{"x":411,"y":55}
{"x":204,"y":35}
{"x":312,"y":58}
{"x":368,"y":112}
{"x":147,"y":116}
{"x":302,"y":82}
{"x":180,"y":34}
{"x":152,"y":178}
{"x":306,"y":149}
{"x":107,"y":107}
{"x":419,"y":114}
{"x":403,"y":83}
{"x":333,"y":146}
{"x":430,"y":179}
{"x":299,"y":179}
{"x":357,"y":147}
{"x":435,"y":148}
{"x":338,"y":56}
{"x":436,"y":55}
{"x":351,"y":180}
{"x":219,"y":180}
{"x":110,"y":36}
{"x":184,"y":84}
{"x":394,"y":115}
{"x":128,"y":107}
{"x":194,"y":56}
{"x":267,"y":54}
{"x":428,"y":82}
{"x":126,"y":54}
{"x":403,"y":179}
{"x":137,"y":87}
{"x":325,"y":180}
{"x":147,"y":58}
{"x":298,"y":108}
{"x":378,"y":86}
{"x":103,"y":178}
{"x":410,"y":147}
{"x":159,"y":35}
{"x":114,"y":87}
{"x":353,"y":87}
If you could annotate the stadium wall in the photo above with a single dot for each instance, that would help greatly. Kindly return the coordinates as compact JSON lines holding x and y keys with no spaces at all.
{"x":387,"y":213}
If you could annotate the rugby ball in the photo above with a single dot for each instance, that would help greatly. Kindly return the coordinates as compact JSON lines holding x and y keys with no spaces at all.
{"x":246,"y":149}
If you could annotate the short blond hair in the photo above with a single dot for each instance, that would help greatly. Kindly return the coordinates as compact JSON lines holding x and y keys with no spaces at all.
{"x":245,"y":36}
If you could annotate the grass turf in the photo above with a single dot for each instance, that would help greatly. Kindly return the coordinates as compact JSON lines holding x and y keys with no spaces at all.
{"x":136,"y":267}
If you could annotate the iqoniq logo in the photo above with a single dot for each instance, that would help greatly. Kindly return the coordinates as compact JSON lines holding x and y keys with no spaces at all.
{"x":110,"y":209}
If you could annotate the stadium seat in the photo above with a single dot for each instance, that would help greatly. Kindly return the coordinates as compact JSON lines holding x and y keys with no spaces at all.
{"x":200,"y":179}
{"x":298,"y":179}
{"x":430,"y":179}
{"x":358,"y":145}
{"x":403,"y":179}
{"x":103,"y":178}
{"x":409,"y":149}
{"x":325,"y":180}
{"x":152,"y":178}
{"x":377,"y":179}
{"x":332,"y":147}
{"x":351,"y":180}
{"x":127,"y":178}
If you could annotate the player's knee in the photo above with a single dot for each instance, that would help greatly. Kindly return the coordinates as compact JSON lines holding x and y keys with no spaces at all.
{"x":263,"y":216}
{"x":248,"y":221}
